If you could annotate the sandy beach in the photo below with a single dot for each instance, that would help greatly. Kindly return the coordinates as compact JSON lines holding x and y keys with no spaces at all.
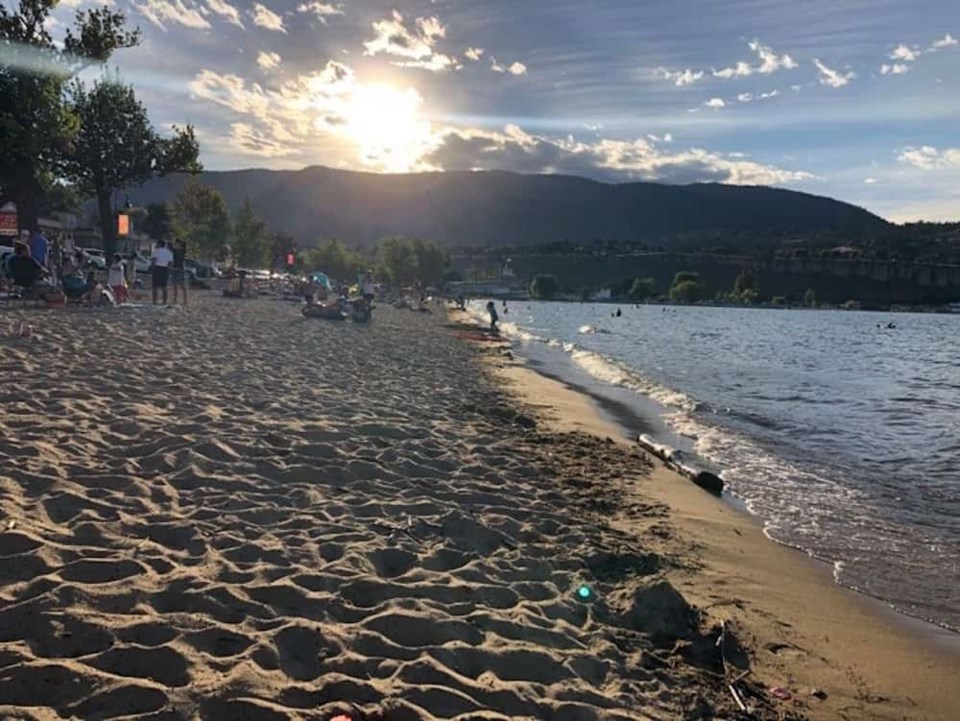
{"x":228,"y":511}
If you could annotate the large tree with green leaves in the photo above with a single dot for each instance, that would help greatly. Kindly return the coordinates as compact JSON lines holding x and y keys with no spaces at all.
{"x":116,"y":147}
{"x":201,"y":218}
{"x":36,"y":124}
{"x":404,"y":261}
{"x":158,"y":223}
{"x":335,"y":259}
{"x":251,"y":244}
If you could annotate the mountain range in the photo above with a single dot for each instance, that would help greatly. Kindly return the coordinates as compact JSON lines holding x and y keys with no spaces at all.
{"x":501,"y":208}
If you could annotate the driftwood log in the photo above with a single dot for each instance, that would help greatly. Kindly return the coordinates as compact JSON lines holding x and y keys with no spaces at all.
{"x":675,"y":461}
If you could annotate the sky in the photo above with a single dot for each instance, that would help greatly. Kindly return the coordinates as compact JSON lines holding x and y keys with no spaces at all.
{"x":853,"y":99}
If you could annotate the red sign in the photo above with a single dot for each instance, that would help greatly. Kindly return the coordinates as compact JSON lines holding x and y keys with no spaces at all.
{"x":8,"y":219}
{"x":123,"y":225}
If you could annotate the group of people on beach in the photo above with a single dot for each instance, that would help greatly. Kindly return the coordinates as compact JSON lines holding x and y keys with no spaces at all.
{"x":57,"y":271}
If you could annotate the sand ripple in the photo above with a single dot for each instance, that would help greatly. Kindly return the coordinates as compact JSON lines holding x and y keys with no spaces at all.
{"x":230,"y":512}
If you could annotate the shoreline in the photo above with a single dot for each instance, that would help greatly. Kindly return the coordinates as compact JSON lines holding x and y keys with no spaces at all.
{"x":807,"y":630}
{"x":628,"y":423}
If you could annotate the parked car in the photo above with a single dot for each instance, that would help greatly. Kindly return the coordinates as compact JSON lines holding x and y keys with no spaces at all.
{"x":141,"y":263}
{"x":94,"y":258}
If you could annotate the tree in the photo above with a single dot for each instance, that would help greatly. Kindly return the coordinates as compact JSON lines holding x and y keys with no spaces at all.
{"x":158,"y":222}
{"x":642,"y":289}
{"x":201,"y":218}
{"x":543,"y":287}
{"x":686,"y":287}
{"x":335,"y":259}
{"x":745,"y":287}
{"x":251,"y":245}
{"x":115,"y":147}
{"x":810,"y":298}
{"x":397,"y":261}
{"x":432,"y":262}
{"x":36,"y":125}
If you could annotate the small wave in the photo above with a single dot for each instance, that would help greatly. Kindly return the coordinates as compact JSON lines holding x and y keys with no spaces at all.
{"x":592,"y":330}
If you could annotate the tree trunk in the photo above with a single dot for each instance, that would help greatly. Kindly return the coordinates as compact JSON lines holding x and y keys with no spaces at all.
{"x":27,"y":212}
{"x":108,"y":224}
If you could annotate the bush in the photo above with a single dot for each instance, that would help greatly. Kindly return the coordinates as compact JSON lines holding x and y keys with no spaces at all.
{"x":642,"y":288}
{"x":543,"y":287}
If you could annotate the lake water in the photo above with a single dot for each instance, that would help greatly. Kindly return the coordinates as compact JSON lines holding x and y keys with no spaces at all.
{"x":844,"y":438}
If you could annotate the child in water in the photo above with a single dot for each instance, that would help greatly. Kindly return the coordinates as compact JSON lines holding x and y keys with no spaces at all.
{"x":492,"y":310}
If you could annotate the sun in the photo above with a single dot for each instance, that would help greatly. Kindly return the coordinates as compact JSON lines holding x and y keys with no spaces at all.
{"x":386,"y":124}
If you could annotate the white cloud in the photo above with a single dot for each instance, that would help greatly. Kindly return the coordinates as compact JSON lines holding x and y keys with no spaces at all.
{"x":512,"y":69}
{"x":770,"y":62}
{"x":665,"y":138}
{"x":902,"y":52}
{"x":611,"y":160}
{"x":745,"y":97}
{"x":325,"y":114}
{"x":833,"y":78}
{"x":739,"y":70}
{"x":945,"y":42}
{"x":715,"y":103}
{"x":268,"y":61}
{"x":321,"y":10}
{"x":895,"y":69}
{"x":870,"y":181}
{"x":164,"y":12}
{"x":927,"y":157}
{"x":416,"y":46}
{"x":226,"y":11}
{"x":264,"y":17}
{"x":681,"y":77}
{"x":473,"y":53}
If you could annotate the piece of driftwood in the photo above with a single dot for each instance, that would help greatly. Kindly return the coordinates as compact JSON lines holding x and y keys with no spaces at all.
{"x":675,"y":461}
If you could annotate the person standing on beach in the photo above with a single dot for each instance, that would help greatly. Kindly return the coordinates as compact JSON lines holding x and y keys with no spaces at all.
{"x":492,"y":310}
{"x":38,"y":247}
{"x":160,"y":264}
{"x":178,"y":274}
{"x":117,"y":278}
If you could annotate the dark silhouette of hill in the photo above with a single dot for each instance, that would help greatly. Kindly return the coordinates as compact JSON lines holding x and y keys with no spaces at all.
{"x":487,"y":208}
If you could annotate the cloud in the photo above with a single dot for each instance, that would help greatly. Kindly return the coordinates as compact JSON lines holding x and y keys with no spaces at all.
{"x":770,"y":62}
{"x":321,"y":10}
{"x":895,"y":69}
{"x":928,"y":157}
{"x":415,"y":46}
{"x":164,"y":12}
{"x":329,"y":113}
{"x":252,"y":141}
{"x":902,"y":52}
{"x":226,"y":11}
{"x":681,"y":77}
{"x":715,"y":103}
{"x":268,"y":61}
{"x":870,"y":181}
{"x":945,"y":42}
{"x":264,"y":17}
{"x":473,"y":53}
{"x":607,"y":160}
{"x":833,"y":78}
{"x":512,"y":69}
{"x":665,"y":138}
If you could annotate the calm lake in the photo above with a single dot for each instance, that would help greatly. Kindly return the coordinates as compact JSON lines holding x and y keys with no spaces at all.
{"x":842,"y":436}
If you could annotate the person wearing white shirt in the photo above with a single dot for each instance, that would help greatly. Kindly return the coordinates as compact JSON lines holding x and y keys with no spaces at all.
{"x":160,"y":263}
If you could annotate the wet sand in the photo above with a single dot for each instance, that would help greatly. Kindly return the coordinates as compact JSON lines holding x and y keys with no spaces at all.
{"x":230,"y":512}
{"x":803,"y":632}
